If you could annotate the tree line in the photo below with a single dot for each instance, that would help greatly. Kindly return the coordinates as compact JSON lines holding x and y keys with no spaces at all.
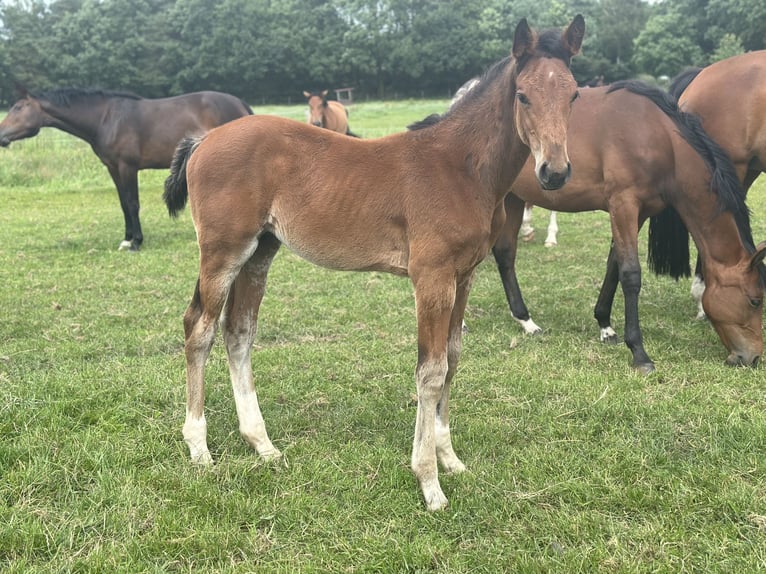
{"x":272,"y":50}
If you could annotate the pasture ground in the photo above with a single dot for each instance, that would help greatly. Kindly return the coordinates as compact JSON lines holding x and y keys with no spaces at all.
{"x":576,"y":464}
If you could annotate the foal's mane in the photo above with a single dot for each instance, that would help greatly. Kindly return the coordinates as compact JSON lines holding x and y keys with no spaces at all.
{"x":65,"y":97}
{"x":549,"y":45}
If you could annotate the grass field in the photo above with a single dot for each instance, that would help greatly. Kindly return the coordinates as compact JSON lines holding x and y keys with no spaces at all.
{"x":575,"y":463}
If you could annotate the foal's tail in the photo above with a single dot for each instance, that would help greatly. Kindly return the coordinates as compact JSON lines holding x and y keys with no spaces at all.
{"x":176,"y":188}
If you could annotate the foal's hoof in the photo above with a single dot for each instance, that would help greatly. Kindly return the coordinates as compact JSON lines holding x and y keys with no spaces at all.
{"x":644,"y":368}
{"x":527,"y":237}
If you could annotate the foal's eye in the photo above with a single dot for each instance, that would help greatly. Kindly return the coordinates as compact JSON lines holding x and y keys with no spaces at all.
{"x":755,"y":302}
{"x":522,"y":98}
{"x":576,"y":95}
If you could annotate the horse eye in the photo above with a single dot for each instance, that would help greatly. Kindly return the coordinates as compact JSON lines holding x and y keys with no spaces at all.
{"x":522,"y":98}
{"x":576,"y":95}
{"x":755,"y":302}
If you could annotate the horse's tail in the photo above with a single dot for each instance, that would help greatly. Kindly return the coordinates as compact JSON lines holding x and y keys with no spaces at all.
{"x":682,"y":81}
{"x":350,"y":133}
{"x":247,"y":107}
{"x":668,"y":244}
{"x":176,"y":188}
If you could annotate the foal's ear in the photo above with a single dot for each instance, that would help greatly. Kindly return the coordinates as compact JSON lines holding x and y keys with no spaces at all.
{"x":524,"y":39}
{"x":757,"y":257}
{"x":573,"y":35}
{"x":324,"y":94}
{"x":306,"y":94}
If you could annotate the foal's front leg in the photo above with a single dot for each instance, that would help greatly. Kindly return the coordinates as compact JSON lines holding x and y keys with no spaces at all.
{"x":435,"y":297}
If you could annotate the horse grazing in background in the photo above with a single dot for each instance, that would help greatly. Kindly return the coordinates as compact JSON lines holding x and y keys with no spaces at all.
{"x":328,"y":114}
{"x":638,"y":157}
{"x":424,"y":204}
{"x":127,"y":132}
{"x":730,"y":99}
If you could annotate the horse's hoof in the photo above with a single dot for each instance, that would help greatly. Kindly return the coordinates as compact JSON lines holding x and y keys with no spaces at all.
{"x":125,"y":245}
{"x":528,"y":236}
{"x":551,"y":244}
{"x":645,"y":368}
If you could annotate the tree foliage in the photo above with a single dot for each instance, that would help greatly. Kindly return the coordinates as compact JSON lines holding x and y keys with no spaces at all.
{"x":274,"y":49}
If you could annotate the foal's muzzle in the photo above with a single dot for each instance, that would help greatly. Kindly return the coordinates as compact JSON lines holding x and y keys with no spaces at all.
{"x":551,"y":180}
{"x":738,"y":360}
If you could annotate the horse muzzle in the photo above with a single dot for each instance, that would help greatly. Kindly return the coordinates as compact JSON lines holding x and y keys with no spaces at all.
{"x":739,"y":360}
{"x":5,"y":142}
{"x":550,"y":179}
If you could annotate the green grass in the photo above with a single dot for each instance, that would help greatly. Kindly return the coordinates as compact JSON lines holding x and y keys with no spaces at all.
{"x":576,"y":464}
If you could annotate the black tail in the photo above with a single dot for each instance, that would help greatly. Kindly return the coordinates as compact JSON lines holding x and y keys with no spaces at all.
{"x":668,"y":244}
{"x":682,"y":81}
{"x":247,"y":107}
{"x":176,"y":188}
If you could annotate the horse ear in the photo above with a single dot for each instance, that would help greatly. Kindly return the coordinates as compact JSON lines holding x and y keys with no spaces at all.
{"x":324,"y":94}
{"x":523,"y":39}
{"x":306,"y":94}
{"x":757,"y":257}
{"x":572,"y":37}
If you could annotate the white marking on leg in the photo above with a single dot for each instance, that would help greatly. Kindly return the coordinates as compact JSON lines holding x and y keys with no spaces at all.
{"x":430,"y":380}
{"x":124,"y":244}
{"x":553,"y":230}
{"x":607,"y":334}
{"x":697,"y":290}
{"x":444,"y":451}
{"x":529,"y":326}
{"x":195,"y":435}
{"x":527,"y":231}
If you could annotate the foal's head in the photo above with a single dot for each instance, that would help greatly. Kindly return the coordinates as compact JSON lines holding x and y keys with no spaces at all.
{"x":317,"y":107}
{"x":545,"y":90}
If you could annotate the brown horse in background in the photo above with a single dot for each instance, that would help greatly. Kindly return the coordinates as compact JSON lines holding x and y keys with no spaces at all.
{"x":328,"y":114}
{"x":637,"y":155}
{"x":128,"y":133}
{"x":730,"y":99}
{"x":425,"y":204}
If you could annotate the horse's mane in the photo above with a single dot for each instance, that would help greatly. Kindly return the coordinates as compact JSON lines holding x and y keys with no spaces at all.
{"x":682,"y":81}
{"x":724,"y":182}
{"x":548,"y":45}
{"x":67,"y":96}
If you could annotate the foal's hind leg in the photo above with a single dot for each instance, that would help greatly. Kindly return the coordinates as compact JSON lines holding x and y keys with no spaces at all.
{"x":239,"y":324}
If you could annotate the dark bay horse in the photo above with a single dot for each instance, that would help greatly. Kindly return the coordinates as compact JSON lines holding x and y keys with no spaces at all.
{"x":127,"y":132}
{"x":328,"y":114}
{"x":635,"y":155}
{"x":425,"y":204}
{"x":730,"y":99}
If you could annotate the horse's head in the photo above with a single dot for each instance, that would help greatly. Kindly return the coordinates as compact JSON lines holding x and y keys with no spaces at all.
{"x":545,"y":90}
{"x":733,"y":303}
{"x":317,"y":106}
{"x":24,"y":120}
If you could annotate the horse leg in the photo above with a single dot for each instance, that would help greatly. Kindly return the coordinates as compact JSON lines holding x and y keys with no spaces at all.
{"x":126,"y":180}
{"x":238,"y":324}
{"x":435,"y":300}
{"x":553,"y":229}
{"x":445,"y":454}
{"x":625,"y":232}
{"x":698,"y":289}
{"x":527,"y":231}
{"x":504,"y":251}
{"x":603,"y":309}
{"x":200,"y":323}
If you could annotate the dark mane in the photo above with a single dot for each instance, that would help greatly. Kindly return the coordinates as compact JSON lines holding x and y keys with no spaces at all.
{"x":67,"y":96}
{"x":682,"y":81}
{"x":724,"y":182}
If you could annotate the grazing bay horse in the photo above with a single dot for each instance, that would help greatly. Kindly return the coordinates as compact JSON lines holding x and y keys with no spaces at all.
{"x":127,"y":132}
{"x":636,"y":154}
{"x":730,"y":99}
{"x":328,"y":114}
{"x":424,"y":204}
